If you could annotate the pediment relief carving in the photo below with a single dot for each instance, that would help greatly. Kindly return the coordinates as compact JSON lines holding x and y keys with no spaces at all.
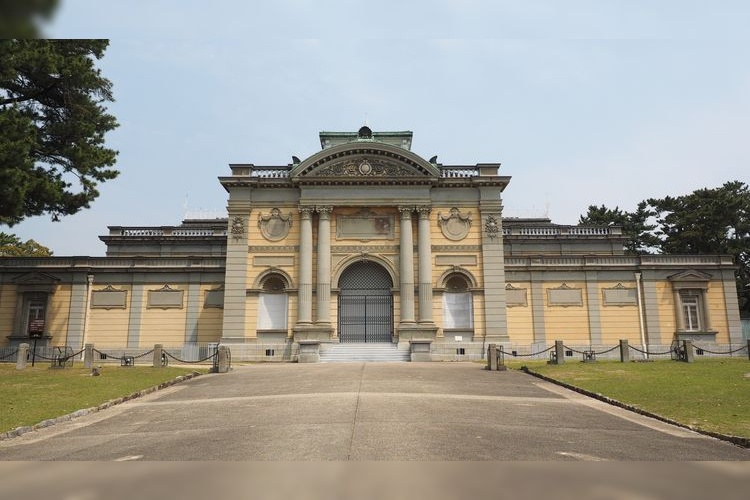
{"x":364,"y":167}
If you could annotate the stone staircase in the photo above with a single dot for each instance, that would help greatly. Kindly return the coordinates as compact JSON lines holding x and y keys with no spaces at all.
{"x":358,"y":352}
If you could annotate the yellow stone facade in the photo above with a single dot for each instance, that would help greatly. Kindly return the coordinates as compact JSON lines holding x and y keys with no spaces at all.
{"x":267,"y":275}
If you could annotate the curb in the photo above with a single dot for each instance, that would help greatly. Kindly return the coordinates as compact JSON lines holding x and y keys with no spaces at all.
{"x":740,"y":441}
{"x":18,"y":431}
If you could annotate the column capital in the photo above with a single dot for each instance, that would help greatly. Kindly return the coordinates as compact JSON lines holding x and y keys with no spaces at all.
{"x":324,"y":211}
{"x":424,"y":211}
{"x":306,"y":212}
{"x":405,"y":212}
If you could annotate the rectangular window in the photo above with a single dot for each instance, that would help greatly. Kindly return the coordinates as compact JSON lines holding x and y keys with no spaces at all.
{"x":457,"y":311}
{"x":272,"y":311}
{"x":690,"y":310}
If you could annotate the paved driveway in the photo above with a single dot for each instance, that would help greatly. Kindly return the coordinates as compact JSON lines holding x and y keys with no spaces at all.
{"x":366,"y":411}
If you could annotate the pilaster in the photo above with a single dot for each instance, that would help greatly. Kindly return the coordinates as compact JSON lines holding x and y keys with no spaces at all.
{"x":493,"y":269}
{"x":77,"y":311}
{"x":235,"y":280}
{"x":135,"y":315}
{"x":593,"y":304}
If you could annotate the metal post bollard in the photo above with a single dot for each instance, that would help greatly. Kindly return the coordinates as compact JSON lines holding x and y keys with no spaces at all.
{"x":88,"y":356}
{"x":624,"y":351}
{"x":23,"y":354}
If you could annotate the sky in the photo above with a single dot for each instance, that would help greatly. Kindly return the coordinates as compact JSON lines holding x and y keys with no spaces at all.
{"x":584,"y":102}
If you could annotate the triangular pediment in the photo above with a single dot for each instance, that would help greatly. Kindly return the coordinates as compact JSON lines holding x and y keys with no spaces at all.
{"x":690,"y":275}
{"x":35,"y":278}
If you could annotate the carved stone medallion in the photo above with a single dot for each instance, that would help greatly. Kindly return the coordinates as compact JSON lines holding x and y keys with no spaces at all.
{"x":491,"y":227}
{"x":364,"y":167}
{"x":238,"y":227}
{"x":274,"y":226}
{"x":455,"y":226}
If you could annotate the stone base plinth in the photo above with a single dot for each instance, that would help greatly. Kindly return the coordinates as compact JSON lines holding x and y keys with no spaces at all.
{"x":407,"y":332}
{"x":309,"y":351}
{"x":420,"y":349}
{"x":321,"y":333}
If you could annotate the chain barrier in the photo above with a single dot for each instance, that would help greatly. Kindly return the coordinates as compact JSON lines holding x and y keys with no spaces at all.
{"x":607,"y":351}
{"x":500,"y":349}
{"x":9,"y":355}
{"x":37,"y":355}
{"x":744,"y":347}
{"x":191,"y":362}
{"x":104,"y":355}
{"x":144,"y":354}
{"x":66,"y":358}
{"x":652,"y":353}
{"x":574,"y":350}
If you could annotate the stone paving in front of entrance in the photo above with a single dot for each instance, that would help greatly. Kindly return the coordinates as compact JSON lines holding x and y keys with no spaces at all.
{"x":366,"y":411}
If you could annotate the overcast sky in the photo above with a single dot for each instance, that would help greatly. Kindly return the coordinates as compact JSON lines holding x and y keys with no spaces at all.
{"x":582,"y":101}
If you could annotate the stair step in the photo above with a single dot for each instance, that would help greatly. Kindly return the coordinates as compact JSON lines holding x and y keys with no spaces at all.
{"x":384,"y":352}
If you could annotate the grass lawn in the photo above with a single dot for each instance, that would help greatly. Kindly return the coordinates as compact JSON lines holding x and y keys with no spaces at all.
{"x":710,"y":394}
{"x":29,"y":396}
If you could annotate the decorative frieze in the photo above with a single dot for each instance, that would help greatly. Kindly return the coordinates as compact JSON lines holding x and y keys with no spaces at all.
{"x":364,"y":167}
{"x":273,"y":248}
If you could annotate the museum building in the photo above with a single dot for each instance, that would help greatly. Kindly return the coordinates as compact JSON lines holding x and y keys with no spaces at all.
{"x":367,"y":244}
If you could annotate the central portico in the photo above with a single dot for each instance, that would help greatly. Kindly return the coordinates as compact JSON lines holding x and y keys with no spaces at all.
{"x":364,"y":241}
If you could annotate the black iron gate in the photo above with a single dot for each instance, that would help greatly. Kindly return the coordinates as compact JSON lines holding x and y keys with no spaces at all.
{"x":365,"y":303}
{"x":365,"y":318}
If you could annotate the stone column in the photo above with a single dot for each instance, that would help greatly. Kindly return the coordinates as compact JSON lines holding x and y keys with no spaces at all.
{"x":407,"y":266}
{"x":324,"y":266}
{"x":425,"y":265}
{"x":304,"y":307}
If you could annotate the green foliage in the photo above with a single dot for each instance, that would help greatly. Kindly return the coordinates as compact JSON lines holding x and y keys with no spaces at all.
{"x":52,"y":152}
{"x":635,"y":225}
{"x":20,"y":18}
{"x":12,"y":246}
{"x":707,"y":221}
{"x":710,"y":394}
{"x":29,"y":396}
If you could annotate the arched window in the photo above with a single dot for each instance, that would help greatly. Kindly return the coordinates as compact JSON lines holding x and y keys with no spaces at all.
{"x":458,"y":312}
{"x":273,"y":303}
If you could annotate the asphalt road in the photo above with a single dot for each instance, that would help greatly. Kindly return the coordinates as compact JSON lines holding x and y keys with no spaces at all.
{"x":366,"y":411}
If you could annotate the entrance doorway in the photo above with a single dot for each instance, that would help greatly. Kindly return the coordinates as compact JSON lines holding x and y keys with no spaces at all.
{"x":365,"y":303}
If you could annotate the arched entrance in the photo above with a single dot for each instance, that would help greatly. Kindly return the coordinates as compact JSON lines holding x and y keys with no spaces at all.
{"x":365,"y":303}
